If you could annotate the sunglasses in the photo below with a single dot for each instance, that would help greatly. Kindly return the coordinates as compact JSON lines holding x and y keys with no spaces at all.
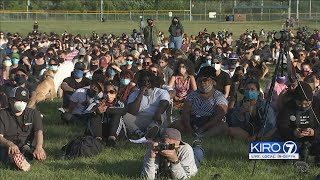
{"x":146,"y":63}
{"x":111,"y":92}
{"x":216,"y":62}
{"x":129,"y":60}
{"x":53,"y":64}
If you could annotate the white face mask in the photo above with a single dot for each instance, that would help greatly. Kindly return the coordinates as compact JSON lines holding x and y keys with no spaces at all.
{"x":217,"y":67}
{"x":20,"y":106}
{"x":1,"y":36}
{"x":71,"y":48}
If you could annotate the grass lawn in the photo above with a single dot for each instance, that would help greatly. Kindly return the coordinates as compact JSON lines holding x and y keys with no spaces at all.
{"x":118,"y":27}
{"x":223,"y":156}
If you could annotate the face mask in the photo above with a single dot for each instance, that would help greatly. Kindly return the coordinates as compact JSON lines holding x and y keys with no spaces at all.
{"x":281,"y":79}
{"x":1,"y":36}
{"x":303,"y":109}
{"x":93,"y":67}
{"x":77,"y":74}
{"x":111,"y":72}
{"x":125,"y":82}
{"x":141,"y":61}
{"x":251,"y":95}
{"x":20,"y":106}
{"x":217,"y":67}
{"x":209,"y":62}
{"x":206,"y":89}
{"x":7,"y":62}
{"x":53,"y":67}
{"x":175,"y":22}
{"x":129,"y":62}
{"x":71,"y":48}
{"x":20,"y":80}
{"x":15,"y":61}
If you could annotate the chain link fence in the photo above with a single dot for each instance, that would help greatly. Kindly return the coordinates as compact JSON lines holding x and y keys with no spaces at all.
{"x":186,"y":10}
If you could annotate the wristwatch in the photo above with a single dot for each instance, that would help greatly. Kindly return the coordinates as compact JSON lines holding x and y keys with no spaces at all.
{"x":175,"y":162}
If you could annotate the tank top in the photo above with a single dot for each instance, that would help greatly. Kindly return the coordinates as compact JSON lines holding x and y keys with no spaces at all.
{"x":182,"y":86}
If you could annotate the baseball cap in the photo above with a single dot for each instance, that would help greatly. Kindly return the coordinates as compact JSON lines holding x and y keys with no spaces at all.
{"x":217,"y":57}
{"x":82,"y":51}
{"x":20,"y":94}
{"x":207,"y":71}
{"x":171,"y":133}
{"x":80,"y":66}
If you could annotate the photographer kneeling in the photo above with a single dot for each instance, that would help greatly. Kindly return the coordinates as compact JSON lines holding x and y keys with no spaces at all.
{"x":298,"y":123}
{"x":171,"y":158}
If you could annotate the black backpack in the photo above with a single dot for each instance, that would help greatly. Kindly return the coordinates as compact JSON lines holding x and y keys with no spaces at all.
{"x":83,"y":146}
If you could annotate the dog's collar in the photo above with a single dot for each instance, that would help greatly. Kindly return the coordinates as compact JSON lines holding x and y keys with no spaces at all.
{"x":50,"y":76}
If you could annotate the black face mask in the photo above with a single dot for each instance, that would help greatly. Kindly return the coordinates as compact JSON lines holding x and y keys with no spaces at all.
{"x":20,"y":80}
{"x":61,"y":60}
{"x":303,"y":109}
{"x":93,"y":67}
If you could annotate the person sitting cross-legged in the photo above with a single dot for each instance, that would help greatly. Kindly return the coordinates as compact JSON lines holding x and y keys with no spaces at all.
{"x":146,"y":106}
{"x":203,"y":112}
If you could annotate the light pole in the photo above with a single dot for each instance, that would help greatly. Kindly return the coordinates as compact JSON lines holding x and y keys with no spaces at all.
{"x":297,"y":15}
{"x":28,"y":4}
{"x":310,"y":4}
{"x":190,"y":4}
{"x":101,"y":10}
{"x":289,"y":9}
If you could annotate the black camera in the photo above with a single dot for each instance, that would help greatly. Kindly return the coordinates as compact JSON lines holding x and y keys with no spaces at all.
{"x":164,"y":146}
{"x":282,"y":36}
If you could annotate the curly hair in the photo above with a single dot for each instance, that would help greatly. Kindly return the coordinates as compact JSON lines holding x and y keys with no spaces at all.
{"x":187,"y":63}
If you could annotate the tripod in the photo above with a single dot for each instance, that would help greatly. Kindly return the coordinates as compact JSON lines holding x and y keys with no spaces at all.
{"x":280,"y":66}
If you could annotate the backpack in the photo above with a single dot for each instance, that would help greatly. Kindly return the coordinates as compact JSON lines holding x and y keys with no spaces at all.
{"x":83,"y":146}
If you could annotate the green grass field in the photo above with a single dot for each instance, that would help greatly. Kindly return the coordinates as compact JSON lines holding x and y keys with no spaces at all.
{"x":223,"y":156}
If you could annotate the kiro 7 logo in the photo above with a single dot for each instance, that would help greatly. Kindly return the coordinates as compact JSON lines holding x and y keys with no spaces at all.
{"x":273,"y":150}
{"x":290,"y":147}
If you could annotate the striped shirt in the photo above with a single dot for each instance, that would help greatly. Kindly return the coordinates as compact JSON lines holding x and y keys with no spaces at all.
{"x":205,"y":107}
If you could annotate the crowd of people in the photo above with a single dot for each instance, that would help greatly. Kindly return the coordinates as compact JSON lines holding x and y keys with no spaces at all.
{"x":128,"y":86}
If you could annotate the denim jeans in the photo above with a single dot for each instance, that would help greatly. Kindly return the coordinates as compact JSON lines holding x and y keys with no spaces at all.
{"x":175,"y":42}
{"x":198,"y":155}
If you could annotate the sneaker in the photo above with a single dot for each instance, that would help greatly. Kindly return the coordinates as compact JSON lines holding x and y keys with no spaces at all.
{"x":197,"y":143}
{"x":152,"y":133}
{"x":61,"y":110}
{"x":21,"y":162}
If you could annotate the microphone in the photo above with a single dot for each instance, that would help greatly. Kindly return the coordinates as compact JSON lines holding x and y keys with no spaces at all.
{"x":293,"y":118}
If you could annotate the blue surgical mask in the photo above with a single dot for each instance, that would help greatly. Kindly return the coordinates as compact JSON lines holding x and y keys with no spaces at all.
{"x":129,"y":62}
{"x":251,"y":95}
{"x":15,"y":61}
{"x":53,"y":68}
{"x":125,"y":82}
{"x":77,"y":74}
{"x":208,"y":61}
{"x":111,"y":72}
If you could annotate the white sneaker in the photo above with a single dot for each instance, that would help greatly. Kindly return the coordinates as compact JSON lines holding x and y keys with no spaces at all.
{"x":61,"y":110}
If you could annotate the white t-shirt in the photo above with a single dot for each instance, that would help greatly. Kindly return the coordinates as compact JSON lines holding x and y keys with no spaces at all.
{"x":150,"y":104}
{"x":64,"y":71}
{"x":78,"y":97}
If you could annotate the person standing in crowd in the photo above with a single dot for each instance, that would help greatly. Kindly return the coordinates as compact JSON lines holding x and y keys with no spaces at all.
{"x":141,"y":24}
{"x":21,"y":131}
{"x":35,"y":26}
{"x":150,"y":35}
{"x":204,"y":110}
{"x":176,"y":32}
